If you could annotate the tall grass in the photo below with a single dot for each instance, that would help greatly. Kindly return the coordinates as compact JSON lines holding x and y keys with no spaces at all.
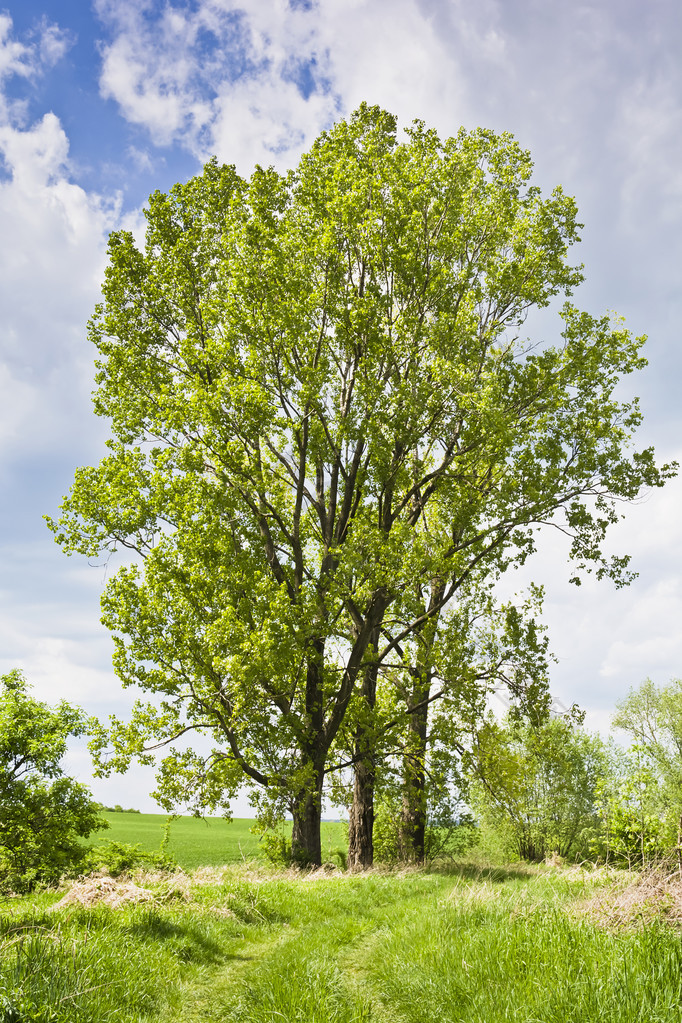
{"x":500,"y":945}
{"x":506,"y":947}
{"x":92,"y":965}
{"x":512,"y":958}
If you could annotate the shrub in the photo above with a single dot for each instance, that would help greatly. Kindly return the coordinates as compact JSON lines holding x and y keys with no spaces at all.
{"x":449,"y":830}
{"x":537,"y":784}
{"x":43,"y":814}
{"x":276,"y":848}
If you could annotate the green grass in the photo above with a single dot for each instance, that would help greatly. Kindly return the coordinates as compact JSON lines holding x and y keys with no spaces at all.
{"x":98,"y":965}
{"x":473,"y":946}
{"x":197,"y":842}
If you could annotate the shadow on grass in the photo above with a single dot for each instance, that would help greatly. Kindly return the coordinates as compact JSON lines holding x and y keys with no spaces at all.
{"x":14,"y":925}
{"x":188,"y":940}
{"x":497,"y":875}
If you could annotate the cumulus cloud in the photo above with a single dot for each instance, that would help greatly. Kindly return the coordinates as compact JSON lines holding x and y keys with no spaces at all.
{"x":51,"y":262}
{"x":53,"y":43}
{"x":593,"y":89}
{"x":46,"y":45}
{"x":214,"y":78}
{"x":15,"y":56}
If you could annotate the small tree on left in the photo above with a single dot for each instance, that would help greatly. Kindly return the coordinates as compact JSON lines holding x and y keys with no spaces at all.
{"x":43,"y":814}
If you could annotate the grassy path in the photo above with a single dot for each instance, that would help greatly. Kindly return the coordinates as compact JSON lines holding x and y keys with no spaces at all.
{"x":306,"y":960}
{"x":244,"y":946}
{"x":424,"y":948}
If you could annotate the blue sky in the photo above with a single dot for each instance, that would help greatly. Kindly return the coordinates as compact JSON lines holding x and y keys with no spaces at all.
{"x":100,"y":103}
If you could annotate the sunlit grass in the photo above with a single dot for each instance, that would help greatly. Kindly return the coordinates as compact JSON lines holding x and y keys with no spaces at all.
{"x":197,"y":842}
{"x":248,"y":944}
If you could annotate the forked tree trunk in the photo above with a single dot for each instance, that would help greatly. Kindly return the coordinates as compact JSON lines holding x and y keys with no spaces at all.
{"x":413,"y":818}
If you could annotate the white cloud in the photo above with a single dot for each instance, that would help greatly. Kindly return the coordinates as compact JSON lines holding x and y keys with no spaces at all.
{"x":46,"y":46}
{"x":257,"y":82}
{"x":53,"y":43}
{"x":218,"y":79}
{"x":35,"y":157}
{"x":63,"y":669}
{"x":51,"y":262}
{"x":396,"y":57}
{"x":140,"y":158}
{"x":15,"y":57}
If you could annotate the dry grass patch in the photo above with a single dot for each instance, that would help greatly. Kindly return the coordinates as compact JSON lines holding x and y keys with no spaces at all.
{"x":636,"y":901}
{"x":103,"y":890}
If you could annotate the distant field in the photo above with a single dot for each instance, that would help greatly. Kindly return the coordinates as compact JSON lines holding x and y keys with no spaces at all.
{"x":194,"y":842}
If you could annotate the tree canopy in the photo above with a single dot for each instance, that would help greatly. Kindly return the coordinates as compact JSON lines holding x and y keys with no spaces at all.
{"x":326,"y":426}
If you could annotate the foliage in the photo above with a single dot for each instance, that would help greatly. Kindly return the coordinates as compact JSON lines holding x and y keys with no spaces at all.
{"x":121,"y":857}
{"x":276,"y":848}
{"x":450,"y":830}
{"x":653,"y":718}
{"x":119,"y":809}
{"x":428,"y":702}
{"x":638,"y":825}
{"x":42,"y":813}
{"x":642,"y":807}
{"x":539,"y":783}
{"x":319,"y":393}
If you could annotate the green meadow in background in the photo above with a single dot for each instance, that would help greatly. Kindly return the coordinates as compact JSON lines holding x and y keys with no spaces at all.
{"x":202,"y":842}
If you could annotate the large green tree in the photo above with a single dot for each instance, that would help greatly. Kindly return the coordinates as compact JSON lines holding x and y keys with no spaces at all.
{"x":319,"y":393}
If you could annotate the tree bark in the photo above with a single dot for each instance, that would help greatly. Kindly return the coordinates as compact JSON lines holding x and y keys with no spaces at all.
{"x":361,"y":818}
{"x":306,"y":843}
{"x":413,"y":818}
{"x":413,"y":822}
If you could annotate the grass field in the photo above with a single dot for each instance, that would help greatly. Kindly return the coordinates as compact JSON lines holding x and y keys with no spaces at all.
{"x":196,"y":842}
{"x":250,"y":946}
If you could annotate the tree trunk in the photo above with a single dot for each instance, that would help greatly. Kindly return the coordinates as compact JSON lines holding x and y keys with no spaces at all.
{"x":413,"y":818}
{"x":361,"y":818}
{"x":306,"y":842}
